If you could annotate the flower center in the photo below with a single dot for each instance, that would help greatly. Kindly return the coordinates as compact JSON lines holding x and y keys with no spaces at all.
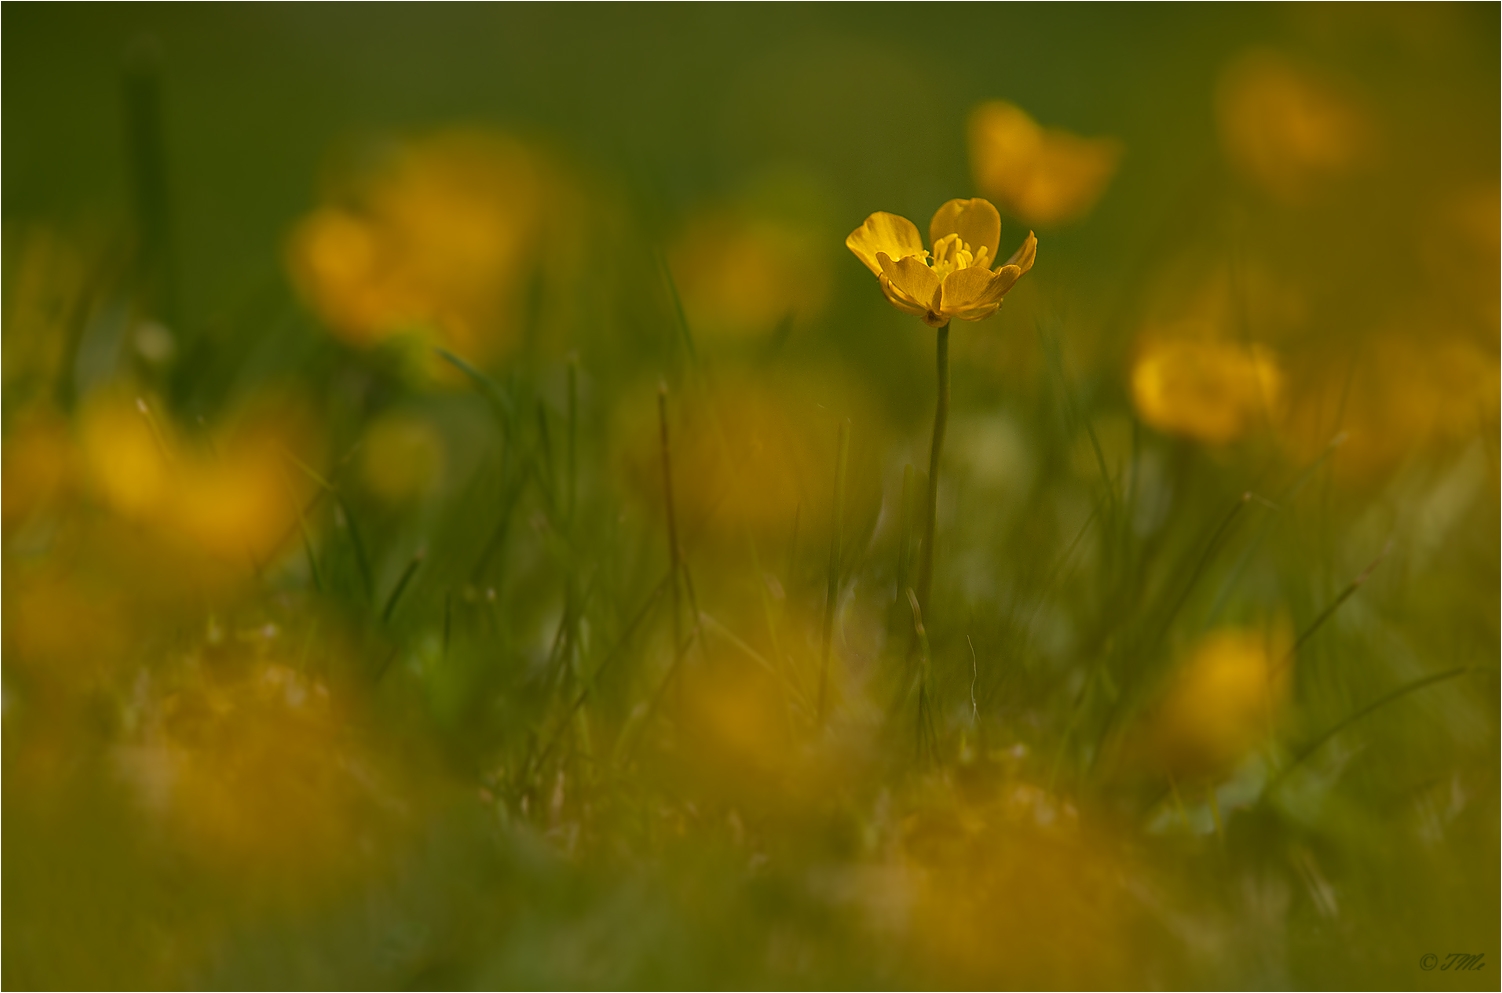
{"x":950,"y":253}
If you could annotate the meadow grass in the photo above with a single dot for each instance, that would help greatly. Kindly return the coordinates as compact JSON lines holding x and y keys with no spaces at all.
{"x":614,"y":651}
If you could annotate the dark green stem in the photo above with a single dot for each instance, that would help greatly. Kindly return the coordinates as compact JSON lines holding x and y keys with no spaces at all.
{"x":941,"y":421}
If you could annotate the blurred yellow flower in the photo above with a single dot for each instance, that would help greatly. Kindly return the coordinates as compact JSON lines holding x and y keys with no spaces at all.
{"x":1286,"y":130}
{"x":63,"y":630}
{"x":239,"y":497}
{"x":1404,"y":393}
{"x":1221,"y":702}
{"x":958,"y":280}
{"x":254,"y":771}
{"x":1207,"y":389}
{"x":444,"y":240}
{"x":1042,"y":175}
{"x":989,"y":883}
{"x":38,"y":463}
{"x":740,"y":274}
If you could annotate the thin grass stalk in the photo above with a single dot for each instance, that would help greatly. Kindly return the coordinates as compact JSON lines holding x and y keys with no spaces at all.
{"x":926,"y":735}
{"x":935,"y":451}
{"x":401,"y":584}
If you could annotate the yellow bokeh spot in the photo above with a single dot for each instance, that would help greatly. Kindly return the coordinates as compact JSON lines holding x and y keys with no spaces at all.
{"x":62,"y":630}
{"x":444,"y":240}
{"x":126,"y":454}
{"x":1043,"y":176}
{"x":741,"y":275}
{"x":38,"y":463}
{"x":1211,"y":390}
{"x":233,"y":495}
{"x":1403,"y":394}
{"x":253,"y":771}
{"x":1220,"y":703}
{"x":1286,"y":130}
{"x":987,"y":885}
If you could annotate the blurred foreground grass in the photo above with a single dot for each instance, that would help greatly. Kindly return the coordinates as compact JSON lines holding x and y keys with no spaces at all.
{"x":347,"y":641}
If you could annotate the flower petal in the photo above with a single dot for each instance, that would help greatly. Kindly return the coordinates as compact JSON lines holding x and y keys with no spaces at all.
{"x":913,"y":277}
{"x":975,"y":221}
{"x":899,"y":299}
{"x":965,"y":289}
{"x":1024,"y":256}
{"x":973,"y":294}
{"x":884,"y":232}
{"x":1005,"y":278}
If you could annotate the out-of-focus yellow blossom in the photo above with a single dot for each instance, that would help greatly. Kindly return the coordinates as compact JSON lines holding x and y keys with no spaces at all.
{"x":63,"y":631}
{"x":238,"y":495}
{"x":1403,"y":394}
{"x":1462,"y":256}
{"x":38,"y":460}
{"x":1223,"y":700}
{"x":401,"y":456}
{"x":1042,"y":175}
{"x":254,"y":770}
{"x":127,"y":457}
{"x":988,"y":884}
{"x":1286,"y":130}
{"x":736,"y":719}
{"x":740,"y":274}
{"x":957,"y":281}
{"x":445,"y":240}
{"x":1204,"y":388}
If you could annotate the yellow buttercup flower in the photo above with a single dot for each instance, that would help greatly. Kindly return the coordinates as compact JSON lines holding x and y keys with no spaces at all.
{"x":956,"y":279}
{"x":1222,"y":701}
{"x":1040,"y":175}
{"x":1288,"y":131}
{"x":1209,"y":389}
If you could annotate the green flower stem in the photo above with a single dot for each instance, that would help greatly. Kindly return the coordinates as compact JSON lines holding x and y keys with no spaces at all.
{"x":941,"y":421}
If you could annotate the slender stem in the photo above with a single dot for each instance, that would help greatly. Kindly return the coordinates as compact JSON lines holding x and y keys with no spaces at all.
{"x":401,"y":584}
{"x":941,"y":421}
{"x":925,"y":731}
{"x":832,"y":594}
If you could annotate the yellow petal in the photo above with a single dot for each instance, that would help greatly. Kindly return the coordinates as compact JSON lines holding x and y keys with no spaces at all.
{"x":974,"y":293}
{"x":1024,"y":256}
{"x":975,"y":221}
{"x":883,"y":232}
{"x":968,"y":289}
{"x":977,"y":302}
{"x":1006,"y":277}
{"x":913,"y":277}
{"x":1041,"y":176}
{"x":899,"y":299}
